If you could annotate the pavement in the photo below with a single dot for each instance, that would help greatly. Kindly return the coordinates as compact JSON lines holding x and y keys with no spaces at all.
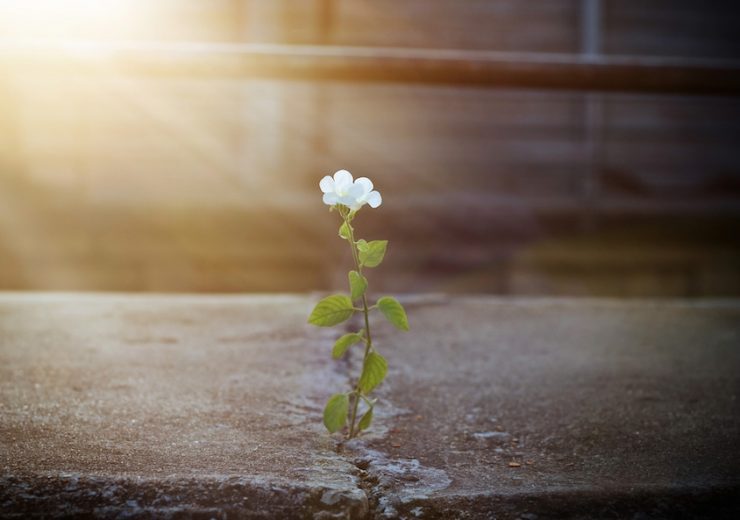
{"x":140,"y":406}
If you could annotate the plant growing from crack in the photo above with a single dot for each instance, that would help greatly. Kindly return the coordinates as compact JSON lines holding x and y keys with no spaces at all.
{"x":347,"y":196}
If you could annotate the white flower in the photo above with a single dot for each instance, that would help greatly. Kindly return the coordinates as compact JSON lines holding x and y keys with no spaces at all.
{"x":353,"y":194}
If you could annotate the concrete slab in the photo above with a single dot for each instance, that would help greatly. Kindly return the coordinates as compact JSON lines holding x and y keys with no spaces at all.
{"x":123,"y":405}
{"x":567,"y":407}
{"x":167,"y":404}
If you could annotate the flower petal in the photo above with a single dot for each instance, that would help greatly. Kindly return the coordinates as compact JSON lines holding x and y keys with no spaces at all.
{"x":367,"y":185}
{"x":326,"y":184}
{"x":374,"y":199}
{"x":330,"y":199}
{"x":342,"y":181}
{"x":348,"y":200}
{"x":357,"y":191}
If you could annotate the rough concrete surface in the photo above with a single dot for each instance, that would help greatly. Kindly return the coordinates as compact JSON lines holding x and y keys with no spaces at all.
{"x":210,"y":406}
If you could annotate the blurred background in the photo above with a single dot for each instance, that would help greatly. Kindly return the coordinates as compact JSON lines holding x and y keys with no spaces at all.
{"x":118,"y":177}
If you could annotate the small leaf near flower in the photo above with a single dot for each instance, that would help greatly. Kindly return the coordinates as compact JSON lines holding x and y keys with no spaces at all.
{"x":367,"y":418}
{"x":394,"y":312}
{"x":343,"y":343}
{"x":357,"y":284}
{"x":374,"y":253}
{"x":335,"y":412}
{"x":331,"y":311}
{"x":344,"y":231}
{"x":373,"y":372}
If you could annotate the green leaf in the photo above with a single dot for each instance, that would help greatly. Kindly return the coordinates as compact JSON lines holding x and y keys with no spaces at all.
{"x":367,"y":418}
{"x":393,"y":312}
{"x":357,"y":284}
{"x":335,"y":412}
{"x":344,"y":231}
{"x":343,"y":343}
{"x":373,"y":372}
{"x":331,"y":310}
{"x":374,"y":253}
{"x":362,"y":245}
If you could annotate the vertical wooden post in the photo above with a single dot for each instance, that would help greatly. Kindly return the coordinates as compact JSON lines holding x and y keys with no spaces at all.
{"x":325,"y":19}
{"x":593,"y":145}
{"x":12,"y":165}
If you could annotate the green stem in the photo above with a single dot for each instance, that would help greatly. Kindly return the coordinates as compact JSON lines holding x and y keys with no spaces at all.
{"x":368,"y":338}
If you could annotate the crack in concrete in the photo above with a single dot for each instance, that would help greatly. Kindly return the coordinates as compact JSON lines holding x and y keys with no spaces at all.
{"x":394,"y":487}
{"x":390,"y":487}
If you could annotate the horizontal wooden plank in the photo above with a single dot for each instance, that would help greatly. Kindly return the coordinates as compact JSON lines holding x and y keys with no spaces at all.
{"x":358,"y":64}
